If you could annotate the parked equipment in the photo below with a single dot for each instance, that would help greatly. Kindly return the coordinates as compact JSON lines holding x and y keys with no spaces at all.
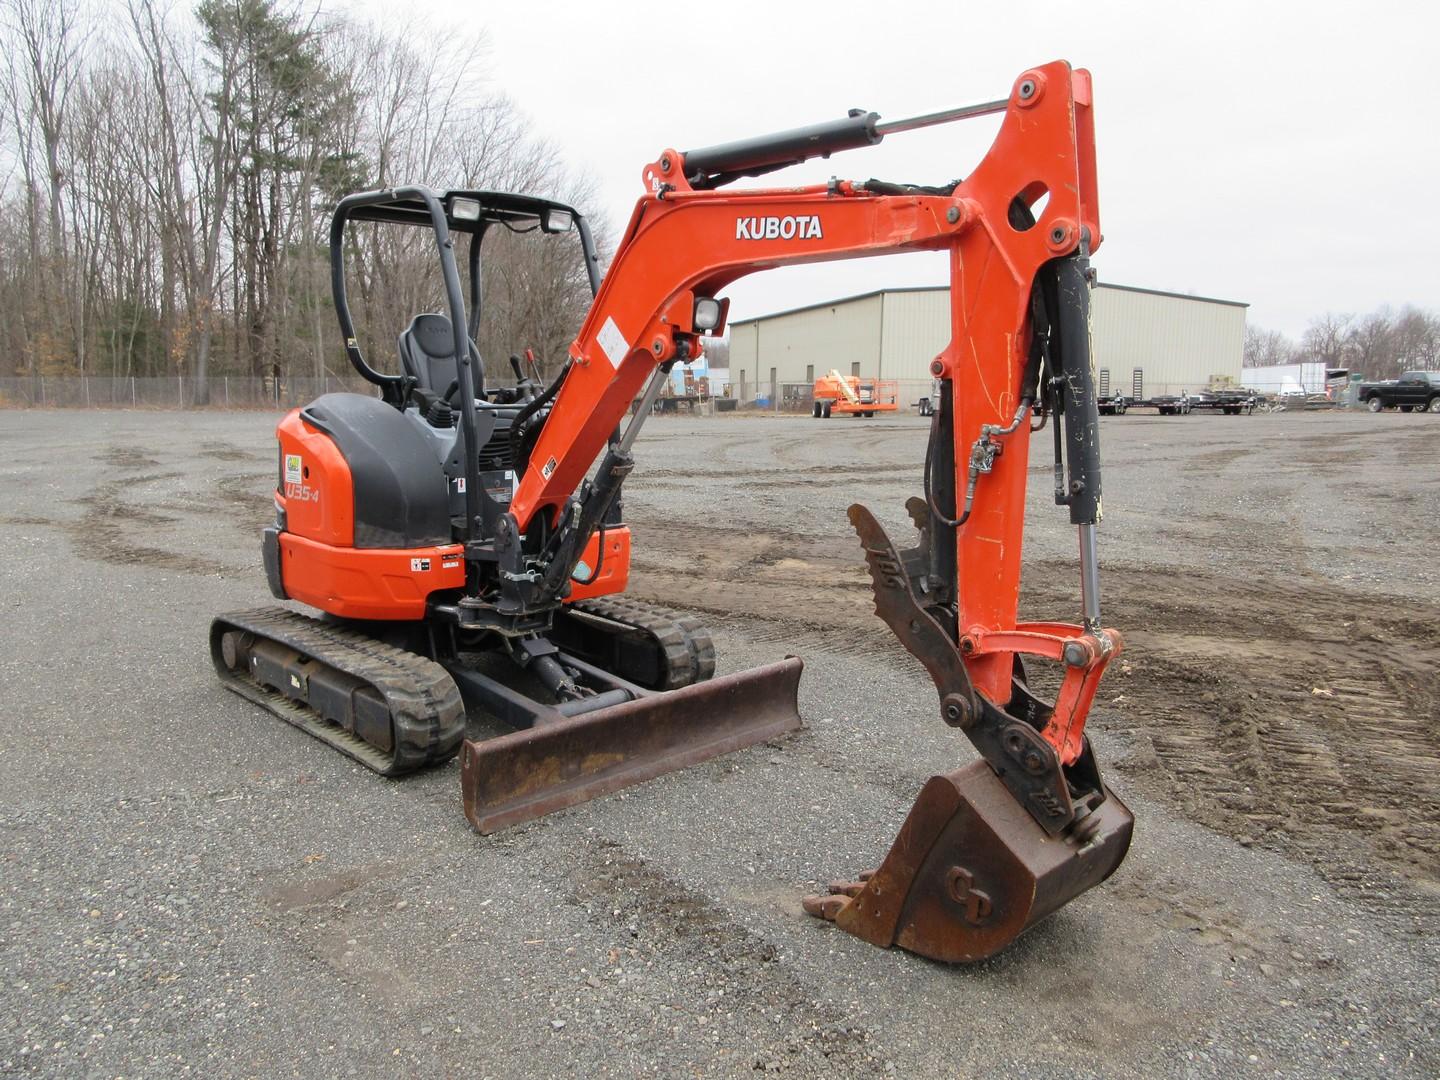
{"x":1112,"y":404}
{"x":1231,"y":402}
{"x":836,"y":393}
{"x":463,"y":542}
{"x":1413,"y":391}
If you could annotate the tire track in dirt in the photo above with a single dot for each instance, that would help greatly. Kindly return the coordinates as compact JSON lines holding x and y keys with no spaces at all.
{"x":1278,"y":716}
{"x":111,"y":530}
{"x":223,"y":451}
{"x":800,"y":592}
{"x":746,"y":987}
{"x":124,"y":457}
{"x":122,"y":522}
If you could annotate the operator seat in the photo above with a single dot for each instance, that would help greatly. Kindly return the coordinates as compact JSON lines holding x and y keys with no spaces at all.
{"x":427,"y":352}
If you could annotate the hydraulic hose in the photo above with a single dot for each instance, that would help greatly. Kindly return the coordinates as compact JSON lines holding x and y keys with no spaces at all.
{"x":533,"y":406}
{"x":982,"y":460}
{"x":599,"y":560}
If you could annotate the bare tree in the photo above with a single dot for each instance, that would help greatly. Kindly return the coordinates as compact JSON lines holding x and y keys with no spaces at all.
{"x":1416,"y":340}
{"x":1370,"y":344}
{"x":166,"y":183}
{"x":1266,"y":347}
{"x":197,"y":96}
{"x":1324,"y":339}
{"x":46,"y":43}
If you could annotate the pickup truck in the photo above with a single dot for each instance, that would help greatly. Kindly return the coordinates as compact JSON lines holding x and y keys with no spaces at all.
{"x":1414,"y":391}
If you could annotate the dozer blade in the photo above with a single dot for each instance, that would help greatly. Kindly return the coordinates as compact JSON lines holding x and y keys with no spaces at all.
{"x":971,"y":870}
{"x":527,"y":774}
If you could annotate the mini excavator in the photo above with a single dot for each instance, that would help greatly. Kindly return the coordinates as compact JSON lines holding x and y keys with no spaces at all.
{"x":464,"y":537}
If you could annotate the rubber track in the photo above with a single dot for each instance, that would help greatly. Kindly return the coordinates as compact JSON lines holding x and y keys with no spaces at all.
{"x":689,"y":652}
{"x":697,"y":637}
{"x":426,"y":712}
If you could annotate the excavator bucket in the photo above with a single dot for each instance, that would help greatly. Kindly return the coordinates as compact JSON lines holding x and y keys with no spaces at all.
{"x":526,"y":774}
{"x":971,"y":870}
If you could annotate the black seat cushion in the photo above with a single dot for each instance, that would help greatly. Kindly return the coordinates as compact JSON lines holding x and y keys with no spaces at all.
{"x":427,"y":351}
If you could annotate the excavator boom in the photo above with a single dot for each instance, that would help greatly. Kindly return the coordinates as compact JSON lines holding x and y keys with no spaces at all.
{"x":990,"y":849}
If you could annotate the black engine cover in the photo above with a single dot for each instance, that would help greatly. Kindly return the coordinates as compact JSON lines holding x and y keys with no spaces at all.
{"x":401,"y":498}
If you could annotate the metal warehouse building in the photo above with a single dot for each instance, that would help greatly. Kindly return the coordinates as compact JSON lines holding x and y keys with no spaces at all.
{"x":1146,"y":343}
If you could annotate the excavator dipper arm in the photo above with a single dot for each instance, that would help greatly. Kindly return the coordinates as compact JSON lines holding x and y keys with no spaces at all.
{"x":988,"y":850}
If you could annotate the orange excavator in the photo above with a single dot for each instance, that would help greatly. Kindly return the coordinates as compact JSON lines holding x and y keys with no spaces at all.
{"x":463,"y":534}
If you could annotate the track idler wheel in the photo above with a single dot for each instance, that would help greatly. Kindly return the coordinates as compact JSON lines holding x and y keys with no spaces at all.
{"x":971,"y":870}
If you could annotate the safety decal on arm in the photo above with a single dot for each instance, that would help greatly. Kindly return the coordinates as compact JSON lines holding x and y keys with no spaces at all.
{"x":614,"y":343}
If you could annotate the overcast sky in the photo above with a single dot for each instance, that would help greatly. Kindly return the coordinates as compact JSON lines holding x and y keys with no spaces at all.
{"x":1282,"y":154}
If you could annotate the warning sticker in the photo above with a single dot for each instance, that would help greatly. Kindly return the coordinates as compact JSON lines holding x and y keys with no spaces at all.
{"x":614,"y":343}
{"x":549,"y":468}
{"x":417,"y":565}
{"x":460,"y":484}
{"x":293,"y":471}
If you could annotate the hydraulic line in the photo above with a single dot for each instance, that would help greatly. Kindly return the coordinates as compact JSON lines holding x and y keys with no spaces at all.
{"x":584,"y":516}
{"x":533,"y":406}
{"x":985,"y":449}
{"x":599,"y":560}
{"x":982,"y":459}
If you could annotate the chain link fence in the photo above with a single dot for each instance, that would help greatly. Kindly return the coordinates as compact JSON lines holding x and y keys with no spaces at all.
{"x":170,"y":392}
{"x":246,"y":392}
{"x":799,"y":397}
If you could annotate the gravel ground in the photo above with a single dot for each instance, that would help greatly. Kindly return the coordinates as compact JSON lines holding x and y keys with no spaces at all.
{"x":190,"y":886}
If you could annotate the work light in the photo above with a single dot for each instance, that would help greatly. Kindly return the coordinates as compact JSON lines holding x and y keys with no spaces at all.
{"x":707,"y":313}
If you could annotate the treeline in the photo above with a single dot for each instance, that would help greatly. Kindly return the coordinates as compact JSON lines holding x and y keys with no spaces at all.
{"x":1379,"y":345}
{"x":166,"y":178}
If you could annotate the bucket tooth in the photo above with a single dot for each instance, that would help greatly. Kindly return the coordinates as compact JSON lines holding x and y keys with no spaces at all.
{"x":527,"y":774}
{"x":971,"y":870}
